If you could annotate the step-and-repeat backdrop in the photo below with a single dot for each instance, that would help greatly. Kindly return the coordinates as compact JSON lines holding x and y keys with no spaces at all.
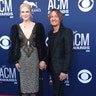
{"x":80,"y":16}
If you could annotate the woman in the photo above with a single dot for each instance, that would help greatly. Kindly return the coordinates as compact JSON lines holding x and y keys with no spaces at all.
{"x":27,"y":50}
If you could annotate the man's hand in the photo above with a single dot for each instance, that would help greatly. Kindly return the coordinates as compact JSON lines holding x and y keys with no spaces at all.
{"x":62,"y":76}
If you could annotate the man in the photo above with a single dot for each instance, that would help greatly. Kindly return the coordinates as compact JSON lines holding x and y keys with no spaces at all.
{"x":60,"y":45}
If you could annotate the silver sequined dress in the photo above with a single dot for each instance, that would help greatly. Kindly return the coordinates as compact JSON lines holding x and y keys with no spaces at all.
{"x":29,"y":62}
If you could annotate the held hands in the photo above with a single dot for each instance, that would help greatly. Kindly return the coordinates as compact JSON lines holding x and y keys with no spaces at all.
{"x":42,"y":65}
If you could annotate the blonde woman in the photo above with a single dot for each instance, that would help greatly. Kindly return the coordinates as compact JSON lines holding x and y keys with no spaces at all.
{"x":27,"y":50}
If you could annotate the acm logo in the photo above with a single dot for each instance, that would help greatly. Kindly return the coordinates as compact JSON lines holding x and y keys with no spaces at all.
{"x":6,"y":8}
{"x":81,"y":41}
{"x":8,"y":74}
{"x":62,"y":5}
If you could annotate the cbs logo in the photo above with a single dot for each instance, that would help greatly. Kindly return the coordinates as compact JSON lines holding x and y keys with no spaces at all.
{"x":5,"y":42}
{"x":85,"y":5}
{"x":46,"y":41}
{"x":84,"y":76}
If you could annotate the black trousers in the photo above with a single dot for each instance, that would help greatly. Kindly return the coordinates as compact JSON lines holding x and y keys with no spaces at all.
{"x":58,"y":86}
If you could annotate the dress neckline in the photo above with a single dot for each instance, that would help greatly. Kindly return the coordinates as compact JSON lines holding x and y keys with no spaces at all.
{"x":24,"y":34}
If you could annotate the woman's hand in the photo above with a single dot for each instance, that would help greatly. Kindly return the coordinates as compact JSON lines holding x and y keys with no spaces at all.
{"x":17,"y":65}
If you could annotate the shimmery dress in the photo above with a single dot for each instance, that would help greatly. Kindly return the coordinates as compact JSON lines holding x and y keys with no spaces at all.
{"x":29,"y":62}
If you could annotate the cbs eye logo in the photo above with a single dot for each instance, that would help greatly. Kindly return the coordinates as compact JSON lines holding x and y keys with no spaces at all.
{"x":84,"y":76}
{"x":85,"y":5}
{"x":5,"y":42}
{"x":46,"y":41}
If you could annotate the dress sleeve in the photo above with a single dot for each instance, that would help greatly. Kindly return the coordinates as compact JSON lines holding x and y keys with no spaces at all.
{"x":14,"y":54}
{"x":40,"y":40}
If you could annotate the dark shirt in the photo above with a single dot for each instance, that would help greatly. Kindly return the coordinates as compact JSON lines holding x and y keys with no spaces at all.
{"x":52,"y":40}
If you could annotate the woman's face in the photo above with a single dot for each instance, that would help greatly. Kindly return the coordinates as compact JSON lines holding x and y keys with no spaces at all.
{"x":25,"y":13}
{"x":54,"y":19}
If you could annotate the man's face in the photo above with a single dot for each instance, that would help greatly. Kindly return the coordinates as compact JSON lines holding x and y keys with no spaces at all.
{"x":54,"y":19}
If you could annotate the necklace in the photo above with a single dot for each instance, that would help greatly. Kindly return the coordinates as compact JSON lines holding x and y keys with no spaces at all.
{"x":24,"y":26}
